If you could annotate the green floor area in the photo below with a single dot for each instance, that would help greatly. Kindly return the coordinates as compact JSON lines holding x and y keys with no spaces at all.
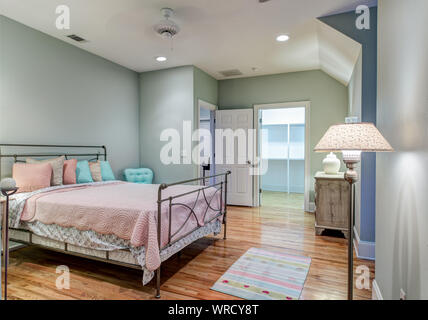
{"x":283,"y":199}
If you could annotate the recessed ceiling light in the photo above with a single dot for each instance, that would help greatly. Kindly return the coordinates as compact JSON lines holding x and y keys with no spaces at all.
{"x":161,"y":59}
{"x":282,"y":38}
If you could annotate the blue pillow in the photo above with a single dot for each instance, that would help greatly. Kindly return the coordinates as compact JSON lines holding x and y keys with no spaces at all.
{"x":141,"y":175}
{"x":83,"y":173}
{"x":106,"y":171}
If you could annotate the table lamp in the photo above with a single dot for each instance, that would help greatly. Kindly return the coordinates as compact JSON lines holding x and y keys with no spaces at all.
{"x":352,"y":139}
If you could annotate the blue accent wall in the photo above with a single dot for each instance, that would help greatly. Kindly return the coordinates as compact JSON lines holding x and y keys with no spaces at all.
{"x":345,"y":23}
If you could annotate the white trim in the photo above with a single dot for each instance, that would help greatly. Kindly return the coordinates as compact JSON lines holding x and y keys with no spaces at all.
{"x":376,"y":293}
{"x":311,"y":207}
{"x":364,"y":249}
{"x":298,"y":104}
{"x":205,"y":105}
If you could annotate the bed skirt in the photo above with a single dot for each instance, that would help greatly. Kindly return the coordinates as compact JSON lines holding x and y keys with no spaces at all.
{"x":131,"y":258}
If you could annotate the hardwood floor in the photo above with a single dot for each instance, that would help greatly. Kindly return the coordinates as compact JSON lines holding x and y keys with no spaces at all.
{"x":283,"y":200}
{"x":274,"y":225}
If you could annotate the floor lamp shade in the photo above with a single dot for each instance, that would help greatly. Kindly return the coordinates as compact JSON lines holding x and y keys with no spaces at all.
{"x":352,"y":139}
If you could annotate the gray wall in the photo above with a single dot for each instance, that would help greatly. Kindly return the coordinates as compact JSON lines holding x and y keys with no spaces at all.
{"x":167,"y":100}
{"x":55,"y":93}
{"x":345,"y":23}
{"x":402,"y":177}
{"x":329,"y":100}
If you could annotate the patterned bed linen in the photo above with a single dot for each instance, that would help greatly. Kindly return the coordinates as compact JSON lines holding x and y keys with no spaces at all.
{"x":93,"y":240}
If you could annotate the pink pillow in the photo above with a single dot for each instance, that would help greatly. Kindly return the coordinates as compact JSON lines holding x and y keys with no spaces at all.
{"x":69,"y":175}
{"x":32,"y":176}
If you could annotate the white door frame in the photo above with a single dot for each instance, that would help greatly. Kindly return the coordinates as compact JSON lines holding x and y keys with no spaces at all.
{"x":205,"y":105}
{"x":300,"y":104}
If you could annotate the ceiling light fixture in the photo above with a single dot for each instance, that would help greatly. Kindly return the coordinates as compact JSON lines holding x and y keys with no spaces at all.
{"x":161,"y":59}
{"x":282,"y":38}
{"x":167,"y":28}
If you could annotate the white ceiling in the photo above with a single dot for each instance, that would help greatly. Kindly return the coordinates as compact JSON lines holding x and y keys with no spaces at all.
{"x":215,"y":35}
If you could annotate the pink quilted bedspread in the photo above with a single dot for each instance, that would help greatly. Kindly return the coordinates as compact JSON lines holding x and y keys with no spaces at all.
{"x":126,"y":210}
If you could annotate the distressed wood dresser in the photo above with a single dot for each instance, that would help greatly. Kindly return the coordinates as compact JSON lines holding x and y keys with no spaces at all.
{"x":332,"y":198}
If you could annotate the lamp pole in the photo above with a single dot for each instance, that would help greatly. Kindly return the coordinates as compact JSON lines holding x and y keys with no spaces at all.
{"x":352,"y":177}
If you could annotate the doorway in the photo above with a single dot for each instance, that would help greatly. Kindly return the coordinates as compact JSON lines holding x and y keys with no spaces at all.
{"x":206,"y":117}
{"x":240,"y":182}
{"x":283,"y":145}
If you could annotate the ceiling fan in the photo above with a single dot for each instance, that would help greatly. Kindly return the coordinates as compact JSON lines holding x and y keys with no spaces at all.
{"x":167,"y":28}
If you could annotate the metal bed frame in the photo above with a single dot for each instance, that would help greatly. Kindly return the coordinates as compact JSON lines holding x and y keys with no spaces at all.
{"x":200,"y":192}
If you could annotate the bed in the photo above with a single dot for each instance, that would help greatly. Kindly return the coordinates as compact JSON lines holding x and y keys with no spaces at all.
{"x":133,"y":225}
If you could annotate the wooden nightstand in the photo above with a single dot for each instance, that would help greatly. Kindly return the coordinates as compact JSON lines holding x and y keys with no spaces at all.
{"x":332,"y":198}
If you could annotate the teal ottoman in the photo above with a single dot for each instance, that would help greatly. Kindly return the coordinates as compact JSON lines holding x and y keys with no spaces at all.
{"x":141,"y":175}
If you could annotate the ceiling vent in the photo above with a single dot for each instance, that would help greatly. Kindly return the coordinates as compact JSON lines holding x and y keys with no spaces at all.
{"x":76,"y":38}
{"x":231,"y":73}
{"x":167,"y":28}
{"x":263,"y":1}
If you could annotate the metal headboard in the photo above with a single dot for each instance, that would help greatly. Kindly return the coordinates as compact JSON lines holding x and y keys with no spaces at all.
{"x":16,"y":156}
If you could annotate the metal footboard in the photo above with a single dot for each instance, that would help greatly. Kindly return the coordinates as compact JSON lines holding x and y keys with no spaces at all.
{"x":200,"y":192}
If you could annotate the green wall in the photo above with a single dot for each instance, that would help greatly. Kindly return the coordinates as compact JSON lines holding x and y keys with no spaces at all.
{"x":205,"y":87}
{"x":55,"y":93}
{"x":166,"y":101}
{"x":169,"y":97}
{"x":329,"y":100}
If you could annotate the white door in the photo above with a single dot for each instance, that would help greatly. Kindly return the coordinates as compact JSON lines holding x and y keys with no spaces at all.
{"x":240,"y":184}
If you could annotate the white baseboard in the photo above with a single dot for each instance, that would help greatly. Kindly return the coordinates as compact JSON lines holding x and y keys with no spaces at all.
{"x":364,"y":249}
{"x":311,"y":207}
{"x":376,"y":293}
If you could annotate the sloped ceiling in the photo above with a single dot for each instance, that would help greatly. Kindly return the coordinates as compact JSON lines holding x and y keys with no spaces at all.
{"x":338,"y":53}
{"x":215,"y":35}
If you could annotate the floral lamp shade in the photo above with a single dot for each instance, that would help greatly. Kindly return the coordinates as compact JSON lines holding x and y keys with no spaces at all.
{"x":353,"y":136}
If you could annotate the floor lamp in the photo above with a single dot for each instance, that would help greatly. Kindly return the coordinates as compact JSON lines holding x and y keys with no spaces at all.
{"x":352,"y":139}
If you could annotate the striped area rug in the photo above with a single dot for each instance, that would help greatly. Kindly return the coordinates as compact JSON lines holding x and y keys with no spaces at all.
{"x":265,"y":275}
